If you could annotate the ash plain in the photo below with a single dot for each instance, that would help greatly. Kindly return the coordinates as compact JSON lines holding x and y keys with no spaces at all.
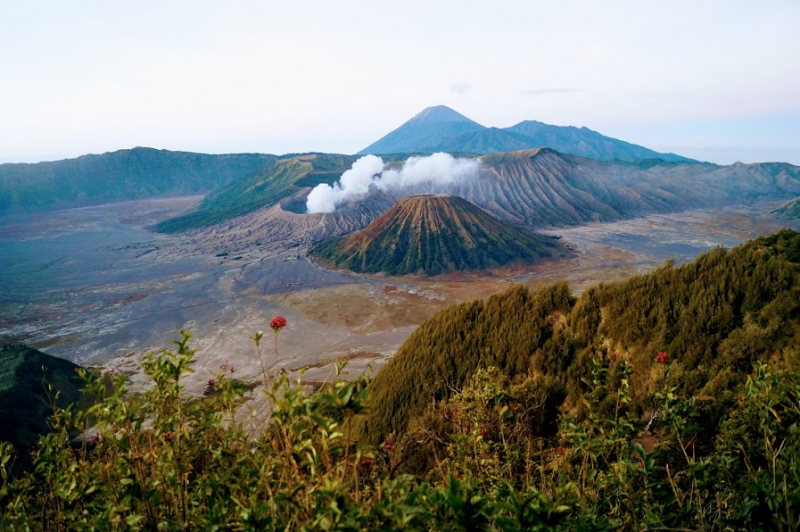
{"x":94,"y":285}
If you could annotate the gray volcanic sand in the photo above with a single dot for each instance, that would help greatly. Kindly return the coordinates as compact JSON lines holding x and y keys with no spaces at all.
{"x":681,"y":236}
{"x":93,"y":285}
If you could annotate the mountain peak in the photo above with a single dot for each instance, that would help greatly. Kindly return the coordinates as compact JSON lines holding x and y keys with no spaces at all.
{"x":440,"y":128}
{"x":424,"y":131}
{"x":438,"y":114}
{"x":434,"y":234}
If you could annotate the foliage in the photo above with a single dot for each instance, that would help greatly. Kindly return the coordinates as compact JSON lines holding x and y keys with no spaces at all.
{"x":32,"y":382}
{"x":163,"y":461}
{"x":714,"y":318}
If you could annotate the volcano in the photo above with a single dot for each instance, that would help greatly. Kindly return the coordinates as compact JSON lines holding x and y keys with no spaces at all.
{"x":434,"y":234}
{"x":440,"y":128}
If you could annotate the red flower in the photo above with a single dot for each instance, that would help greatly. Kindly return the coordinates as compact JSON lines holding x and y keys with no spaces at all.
{"x":484,"y":433}
{"x":365,"y":465}
{"x":278,"y":323}
{"x":560,"y":450}
{"x":168,"y":436}
{"x":662,"y":358}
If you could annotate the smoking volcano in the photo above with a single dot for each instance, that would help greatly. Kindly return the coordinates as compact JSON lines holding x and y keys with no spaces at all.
{"x":429,"y":174}
{"x":433,"y":235}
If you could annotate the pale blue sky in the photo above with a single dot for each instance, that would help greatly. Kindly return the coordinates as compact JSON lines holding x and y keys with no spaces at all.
{"x":714,"y":80}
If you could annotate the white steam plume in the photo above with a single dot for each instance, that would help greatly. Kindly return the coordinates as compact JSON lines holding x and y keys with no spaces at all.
{"x":437,"y":170}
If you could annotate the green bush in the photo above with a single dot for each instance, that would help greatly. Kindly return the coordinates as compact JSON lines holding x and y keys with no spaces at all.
{"x":165,"y":461}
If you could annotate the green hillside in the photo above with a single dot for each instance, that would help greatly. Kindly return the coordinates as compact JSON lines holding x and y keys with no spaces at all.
{"x":118,"y":176}
{"x":25,"y":400}
{"x":715,"y":318}
{"x":276,"y":181}
{"x":790,"y":211}
{"x":434,"y":235}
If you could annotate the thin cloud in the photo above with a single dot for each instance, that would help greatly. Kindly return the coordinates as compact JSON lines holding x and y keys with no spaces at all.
{"x":672,"y":95}
{"x":555,"y":90}
{"x":461,"y":88}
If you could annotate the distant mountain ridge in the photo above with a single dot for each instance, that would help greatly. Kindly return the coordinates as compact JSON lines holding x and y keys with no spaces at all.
{"x":440,"y":128}
{"x":434,"y":234}
{"x":121,"y":175}
{"x":535,"y":188}
{"x":546,"y":188}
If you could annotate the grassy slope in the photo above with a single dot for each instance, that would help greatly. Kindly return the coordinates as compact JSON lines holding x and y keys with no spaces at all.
{"x":790,"y":211}
{"x":25,"y":405}
{"x":278,"y":180}
{"x":433,"y":235}
{"x":715,"y":317}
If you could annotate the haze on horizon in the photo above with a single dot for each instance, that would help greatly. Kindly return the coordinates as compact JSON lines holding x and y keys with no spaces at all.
{"x":716,"y":80}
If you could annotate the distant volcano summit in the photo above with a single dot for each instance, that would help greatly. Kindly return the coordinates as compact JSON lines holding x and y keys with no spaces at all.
{"x":440,"y":128}
{"x":424,"y":131}
{"x":434,"y":234}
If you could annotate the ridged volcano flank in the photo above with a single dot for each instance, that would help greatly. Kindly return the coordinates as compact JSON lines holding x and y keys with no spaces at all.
{"x":433,"y":235}
{"x":790,"y":211}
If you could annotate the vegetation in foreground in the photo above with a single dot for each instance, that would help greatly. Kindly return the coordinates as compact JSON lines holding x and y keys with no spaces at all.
{"x":499,"y":451}
{"x":162,"y":462}
{"x":716,"y":317}
{"x":28,"y":380}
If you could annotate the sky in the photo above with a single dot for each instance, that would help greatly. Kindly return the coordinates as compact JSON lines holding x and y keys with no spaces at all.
{"x":712,"y":80}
